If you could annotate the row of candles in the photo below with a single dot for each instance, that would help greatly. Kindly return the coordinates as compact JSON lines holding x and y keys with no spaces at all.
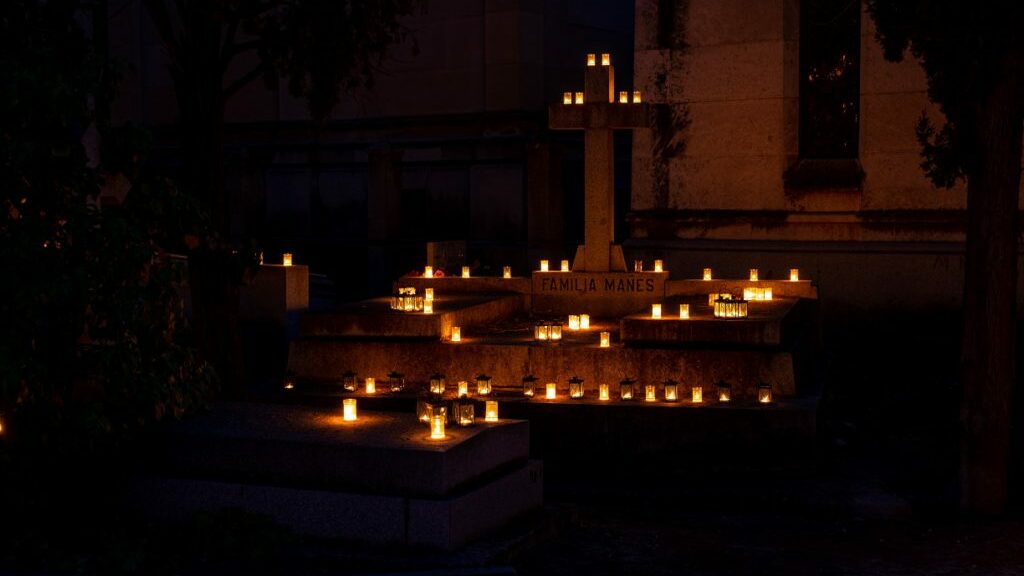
{"x":638,"y":266}
{"x":506,"y":272}
{"x":577,"y":97}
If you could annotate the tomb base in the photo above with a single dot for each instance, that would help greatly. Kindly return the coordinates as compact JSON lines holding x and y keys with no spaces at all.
{"x":596,"y":293}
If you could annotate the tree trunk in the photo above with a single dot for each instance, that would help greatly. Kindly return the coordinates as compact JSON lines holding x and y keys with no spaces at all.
{"x":990,"y":285}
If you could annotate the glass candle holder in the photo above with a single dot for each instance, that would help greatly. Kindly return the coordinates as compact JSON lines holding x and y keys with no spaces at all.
{"x":506,"y":272}
{"x":349,"y":381}
{"x":424,"y":408}
{"x":491,"y":411}
{"x":574,"y":322}
{"x":697,"y":394}
{"x":543,"y":265}
{"x":555,"y":331}
{"x":437,"y":383}
{"x":542,"y":331}
{"x":658,"y":266}
{"x":684,"y":311}
{"x":567,"y":98}
{"x":579,"y":98}
{"x":656,"y":311}
{"x":286,"y":259}
{"x":623,"y":97}
{"x":638,"y":265}
{"x":428,"y":271}
{"x":584,"y":321}
{"x":428,"y":295}
{"x":465,"y":413}
{"x":437,"y":426}
{"x":565,"y":266}
{"x":465,"y":271}
{"x":576,"y":387}
{"x":626,"y":388}
{"x":348,"y":409}
{"x":707,"y":273}
{"x":650,"y":393}
{"x":753,"y":274}
{"x":428,"y":307}
{"x":671,"y":388}
{"x":606,"y":339}
{"x":636,"y":97}
{"x":396,"y":381}
{"x":724,"y":391}
{"x":529,"y":385}
{"x":456,"y":334}
{"x":483,"y":384}
{"x":591,"y":59}
{"x":551,"y":391}
{"x":462,"y":389}
{"x":764,"y":393}
{"x":718,"y":296}
{"x":794,"y":274}
{"x":606,"y":59}
{"x":371,"y":385}
{"x":602,"y":392}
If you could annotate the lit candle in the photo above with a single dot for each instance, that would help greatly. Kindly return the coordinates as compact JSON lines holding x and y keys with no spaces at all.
{"x":794,"y":274}
{"x":606,"y":59}
{"x":655,"y":311}
{"x":542,"y":331}
{"x":574,"y":322}
{"x":684,"y":311}
{"x":371,"y":385}
{"x":707,"y":273}
{"x":671,"y":390}
{"x":650,"y":393}
{"x":591,"y":59}
{"x":606,"y":339}
{"x":565,"y":265}
{"x":602,"y":392}
{"x":764,"y":393}
{"x":506,"y":272}
{"x":567,"y":98}
{"x":638,"y":265}
{"x":724,"y":392}
{"x":286,"y":259}
{"x":658,"y":264}
{"x":550,"y":391}
{"x":491,"y":411}
{"x":623,"y":97}
{"x":753,"y":274}
{"x":579,"y":97}
{"x":465,"y":271}
{"x":437,"y":384}
{"x":543,"y":265}
{"x":636,"y":96}
{"x":584,"y":321}
{"x":767,"y":293}
{"x":456,"y":334}
{"x":555,"y":332}
{"x":463,"y":389}
{"x":428,"y":271}
{"x":428,"y":307}
{"x":349,"y":409}
{"x":289,"y":384}
{"x":697,"y":394}
{"x":428,"y":295}
{"x":437,"y":426}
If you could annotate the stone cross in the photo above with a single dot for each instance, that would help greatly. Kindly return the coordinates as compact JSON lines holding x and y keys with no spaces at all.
{"x":598,"y":110}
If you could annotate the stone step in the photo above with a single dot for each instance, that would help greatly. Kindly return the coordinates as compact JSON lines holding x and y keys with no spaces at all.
{"x":475,"y":284}
{"x":375,"y":319}
{"x":767,"y":324}
{"x":780,"y":288}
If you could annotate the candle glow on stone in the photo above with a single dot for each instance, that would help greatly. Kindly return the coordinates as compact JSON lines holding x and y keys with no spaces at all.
{"x":286,"y":259}
{"x":543,"y":265}
{"x":684,"y":311}
{"x":753,"y":274}
{"x":565,"y":265}
{"x":602,"y":392}
{"x":658,"y":266}
{"x":506,"y":272}
{"x":656,"y":311}
{"x":428,"y":271}
{"x":437,"y":426}
{"x":584,"y":321}
{"x":491,"y":411}
{"x":551,"y":391}
{"x":371,"y":385}
{"x":707,"y":273}
{"x":623,"y":97}
{"x":465,"y":271}
{"x":606,"y":339}
{"x":567,"y":98}
{"x":606,"y":59}
{"x":456,"y":334}
{"x":794,"y":274}
{"x":349,"y":409}
{"x":591,"y":59}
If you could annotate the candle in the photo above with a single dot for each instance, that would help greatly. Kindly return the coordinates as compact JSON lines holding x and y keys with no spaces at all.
{"x":606,"y":339}
{"x":584,"y":321}
{"x":794,"y":274}
{"x":428,"y":271}
{"x":428,"y":295}
{"x":574,"y":322}
{"x":555,"y":331}
{"x":463,"y":388}
{"x":506,"y":272}
{"x":428,"y":307}
{"x":491,"y":411}
{"x":567,"y":98}
{"x":579,"y":97}
{"x":465,"y":271}
{"x":602,"y":392}
{"x":591,"y":59}
{"x":623,"y":97}
{"x":753,"y":274}
{"x":606,"y":59}
{"x":655,"y":311}
{"x":371,"y":385}
{"x":764,"y":393}
{"x":697,"y":394}
{"x":349,"y":409}
{"x":684,"y":311}
{"x":636,"y":96}
{"x":543,"y":265}
{"x":650,"y":393}
{"x":551,"y":390}
{"x":456,"y":334}
{"x":437,"y":426}
{"x":658,"y":266}
{"x":707,"y":273}
{"x":565,"y":265}
{"x":286,"y":259}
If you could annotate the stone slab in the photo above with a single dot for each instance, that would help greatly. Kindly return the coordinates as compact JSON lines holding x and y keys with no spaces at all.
{"x":457,"y":285}
{"x":596,"y":293}
{"x":275,"y":291}
{"x":446,"y":523}
{"x":303,"y":447}
{"x":780,"y":288}
{"x":374,"y":318}
{"x":508,"y":360}
{"x":764,"y":325}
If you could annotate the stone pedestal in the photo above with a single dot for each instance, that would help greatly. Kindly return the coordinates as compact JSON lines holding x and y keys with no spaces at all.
{"x":275,"y":292}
